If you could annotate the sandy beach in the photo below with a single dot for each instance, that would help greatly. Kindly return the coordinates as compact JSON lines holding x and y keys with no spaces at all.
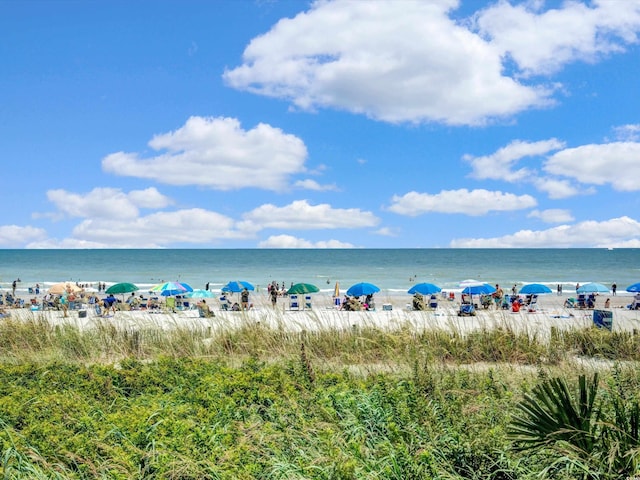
{"x":392,"y":312}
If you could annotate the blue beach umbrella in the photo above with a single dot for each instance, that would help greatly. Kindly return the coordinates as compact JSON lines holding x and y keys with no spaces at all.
{"x":237,"y":286}
{"x":424,"y":289}
{"x":482,"y":289}
{"x":593,"y":288}
{"x":360,"y":289}
{"x":535,"y":289}
{"x":635,"y":288}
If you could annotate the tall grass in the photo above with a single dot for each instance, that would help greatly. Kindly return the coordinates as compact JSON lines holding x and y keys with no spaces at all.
{"x":388,"y":348}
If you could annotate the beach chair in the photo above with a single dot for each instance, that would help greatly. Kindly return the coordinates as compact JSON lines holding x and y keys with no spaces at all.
{"x":204,"y":311}
{"x":582,"y":301}
{"x":293,"y":302}
{"x":170,"y":304}
{"x":466,"y":299}
{"x":307,"y":302}
{"x":452,"y":296}
{"x":533,"y":304}
{"x":433,"y":302}
{"x":467,"y":310}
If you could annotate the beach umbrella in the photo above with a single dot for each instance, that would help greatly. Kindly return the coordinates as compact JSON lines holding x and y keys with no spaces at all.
{"x":199,"y":293}
{"x":535,"y":289}
{"x":635,"y":288}
{"x":237,"y":286}
{"x":64,"y":287}
{"x":481,"y":289}
{"x":122,"y":288}
{"x":363,"y":288}
{"x":302,"y":288}
{"x":424,"y":289}
{"x":593,"y":288}
{"x":169,"y":289}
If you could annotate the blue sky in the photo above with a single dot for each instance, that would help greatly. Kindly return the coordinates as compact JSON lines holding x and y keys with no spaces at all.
{"x":328,"y":124}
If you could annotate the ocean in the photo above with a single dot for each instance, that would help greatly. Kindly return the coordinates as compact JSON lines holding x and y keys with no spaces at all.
{"x":393,"y":270}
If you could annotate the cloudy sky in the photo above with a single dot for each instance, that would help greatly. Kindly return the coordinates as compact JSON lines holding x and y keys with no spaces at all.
{"x":326,"y":124}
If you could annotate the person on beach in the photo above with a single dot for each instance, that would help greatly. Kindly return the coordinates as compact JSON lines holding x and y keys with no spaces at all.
{"x":607,"y":303}
{"x":13,"y":287}
{"x":273,"y":292}
{"x":244,"y":298}
{"x":497,"y":296}
{"x":614,"y":287}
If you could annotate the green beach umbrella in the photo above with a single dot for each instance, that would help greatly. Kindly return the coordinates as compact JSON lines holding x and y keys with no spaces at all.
{"x":122,"y":288}
{"x":300,"y":288}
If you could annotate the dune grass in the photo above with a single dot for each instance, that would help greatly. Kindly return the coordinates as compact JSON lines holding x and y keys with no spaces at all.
{"x":256,"y":401}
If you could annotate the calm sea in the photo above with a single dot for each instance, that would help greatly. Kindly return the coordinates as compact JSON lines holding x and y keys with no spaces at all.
{"x":393,"y":270}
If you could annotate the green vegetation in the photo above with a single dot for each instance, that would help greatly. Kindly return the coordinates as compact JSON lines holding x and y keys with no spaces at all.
{"x":252,"y":402}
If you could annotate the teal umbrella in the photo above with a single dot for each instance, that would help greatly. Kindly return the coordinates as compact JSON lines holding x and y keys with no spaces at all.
{"x":302,"y":288}
{"x":593,"y":288}
{"x":199,"y":293}
{"x":122,"y":288}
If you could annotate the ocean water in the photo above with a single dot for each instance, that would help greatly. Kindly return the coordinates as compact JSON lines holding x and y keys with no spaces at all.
{"x":393,"y":270}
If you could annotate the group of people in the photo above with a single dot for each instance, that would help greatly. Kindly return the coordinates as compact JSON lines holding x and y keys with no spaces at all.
{"x":354,"y":304}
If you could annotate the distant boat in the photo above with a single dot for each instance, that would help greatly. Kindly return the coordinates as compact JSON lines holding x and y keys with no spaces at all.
{"x":609,"y":248}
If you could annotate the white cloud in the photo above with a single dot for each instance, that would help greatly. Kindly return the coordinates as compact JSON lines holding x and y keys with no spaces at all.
{"x":615,"y":163}
{"x":499,"y":165}
{"x":309,"y":184}
{"x":396,"y":61}
{"x":475,"y":202}
{"x":15,"y":236}
{"x":617,"y":232}
{"x":288,"y":241}
{"x":107,"y":202}
{"x":556,"y":188}
{"x":543,"y":42}
{"x":627,"y":133}
{"x":552,"y":215}
{"x":194,"y":226}
{"x":217,"y":153}
{"x":386,"y":232}
{"x":300,"y":215}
